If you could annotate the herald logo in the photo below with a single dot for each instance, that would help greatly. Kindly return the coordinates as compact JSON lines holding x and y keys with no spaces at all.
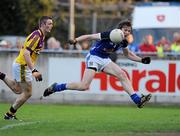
{"x":166,"y":82}
{"x":160,"y":18}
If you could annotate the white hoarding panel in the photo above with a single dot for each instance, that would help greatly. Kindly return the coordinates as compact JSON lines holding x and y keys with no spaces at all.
{"x":160,"y":77}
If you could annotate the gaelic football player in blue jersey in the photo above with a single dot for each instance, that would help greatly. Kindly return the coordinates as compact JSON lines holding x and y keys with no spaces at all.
{"x":98,"y":60}
{"x":24,"y":66}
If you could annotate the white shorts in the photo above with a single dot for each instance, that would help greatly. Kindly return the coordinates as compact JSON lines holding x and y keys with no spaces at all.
{"x":96,"y":62}
{"x":21,"y":73}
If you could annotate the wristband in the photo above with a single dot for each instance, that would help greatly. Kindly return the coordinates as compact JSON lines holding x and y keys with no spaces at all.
{"x":34,"y":70}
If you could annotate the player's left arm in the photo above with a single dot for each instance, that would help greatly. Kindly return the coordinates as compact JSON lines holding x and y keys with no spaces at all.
{"x":29,"y":49}
{"x":131,"y":55}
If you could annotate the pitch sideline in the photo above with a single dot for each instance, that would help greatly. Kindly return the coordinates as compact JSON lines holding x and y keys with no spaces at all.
{"x":18,"y":124}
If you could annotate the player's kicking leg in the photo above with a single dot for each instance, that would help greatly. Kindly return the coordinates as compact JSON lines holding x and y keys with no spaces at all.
{"x":114,"y":69}
{"x":79,"y":86}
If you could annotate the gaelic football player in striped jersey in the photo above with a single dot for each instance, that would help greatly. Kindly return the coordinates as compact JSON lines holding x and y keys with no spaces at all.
{"x":24,"y":66}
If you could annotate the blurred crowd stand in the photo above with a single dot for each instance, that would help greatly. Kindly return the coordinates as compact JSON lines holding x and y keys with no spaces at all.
{"x":163,"y":47}
{"x":147,"y":47}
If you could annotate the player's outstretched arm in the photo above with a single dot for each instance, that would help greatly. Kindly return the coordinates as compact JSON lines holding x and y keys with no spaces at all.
{"x":131,"y":55}
{"x":85,"y":37}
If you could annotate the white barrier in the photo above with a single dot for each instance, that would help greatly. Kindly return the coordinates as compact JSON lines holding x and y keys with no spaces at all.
{"x":161,"y":78}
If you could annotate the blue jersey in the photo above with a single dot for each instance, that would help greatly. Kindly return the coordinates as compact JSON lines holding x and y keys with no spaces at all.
{"x":104,"y":47}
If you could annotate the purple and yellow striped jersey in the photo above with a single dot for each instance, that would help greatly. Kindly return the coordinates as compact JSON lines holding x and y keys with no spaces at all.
{"x":34,"y":43}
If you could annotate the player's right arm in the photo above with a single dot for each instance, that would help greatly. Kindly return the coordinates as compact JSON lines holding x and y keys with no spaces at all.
{"x":88,"y":37}
{"x":97,"y":36}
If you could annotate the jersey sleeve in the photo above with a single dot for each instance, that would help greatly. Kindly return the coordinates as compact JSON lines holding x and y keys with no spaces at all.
{"x":104,"y":35}
{"x":33,"y":43}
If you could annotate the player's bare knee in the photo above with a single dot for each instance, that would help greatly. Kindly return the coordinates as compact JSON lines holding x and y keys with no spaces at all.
{"x":84,"y":87}
{"x":29,"y":94}
{"x":122,"y":76}
{"x":17,"y":91}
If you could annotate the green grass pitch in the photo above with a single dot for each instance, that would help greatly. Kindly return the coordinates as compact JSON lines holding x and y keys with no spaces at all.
{"x":88,"y":120}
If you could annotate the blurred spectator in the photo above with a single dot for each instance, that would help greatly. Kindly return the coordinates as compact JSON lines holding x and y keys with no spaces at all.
{"x":9,"y":44}
{"x":176,"y":36}
{"x":52,"y":43}
{"x":5,"y":44}
{"x":148,"y":44}
{"x":85,"y":45}
{"x":163,"y":46}
{"x":175,"y":46}
{"x":66,"y":46}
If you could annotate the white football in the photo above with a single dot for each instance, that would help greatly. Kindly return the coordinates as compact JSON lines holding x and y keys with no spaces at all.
{"x":116,"y":35}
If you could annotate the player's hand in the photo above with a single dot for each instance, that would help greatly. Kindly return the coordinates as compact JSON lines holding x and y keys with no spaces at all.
{"x":130,"y":38}
{"x":37,"y":75}
{"x":146,"y":60}
{"x":74,"y":41}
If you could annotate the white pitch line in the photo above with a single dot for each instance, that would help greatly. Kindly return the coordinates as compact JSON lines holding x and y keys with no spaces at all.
{"x":18,"y":124}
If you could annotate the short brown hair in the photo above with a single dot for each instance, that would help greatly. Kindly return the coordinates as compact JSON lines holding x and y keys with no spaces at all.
{"x":125,"y":23}
{"x":43,"y":20}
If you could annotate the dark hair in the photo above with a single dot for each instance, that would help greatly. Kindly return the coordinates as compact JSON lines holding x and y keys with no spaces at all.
{"x":43,"y":20}
{"x":124,"y":23}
